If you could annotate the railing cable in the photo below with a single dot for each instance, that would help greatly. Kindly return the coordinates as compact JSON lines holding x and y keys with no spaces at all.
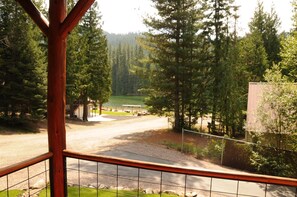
{"x":237,"y":190}
{"x":161,"y":182}
{"x":266,"y":189}
{"x":117,"y":180}
{"x":45,"y":174}
{"x":97,"y":169}
{"x":78,"y":165}
{"x":7,"y":185}
{"x":138,"y":182}
{"x":28,"y":173}
{"x":185,"y":189}
{"x":210,"y":189}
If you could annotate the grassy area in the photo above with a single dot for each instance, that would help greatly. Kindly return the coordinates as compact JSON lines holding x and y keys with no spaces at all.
{"x":118,"y":101}
{"x":13,"y":192}
{"x":113,"y":113}
{"x":210,"y":152}
{"x":89,"y":192}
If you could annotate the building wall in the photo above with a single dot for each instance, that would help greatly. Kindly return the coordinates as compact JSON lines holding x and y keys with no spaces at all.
{"x":254,"y":99}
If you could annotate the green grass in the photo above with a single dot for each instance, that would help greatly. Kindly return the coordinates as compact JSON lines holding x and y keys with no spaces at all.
{"x":13,"y":192}
{"x":113,"y":113}
{"x":89,"y":192}
{"x":118,"y":101}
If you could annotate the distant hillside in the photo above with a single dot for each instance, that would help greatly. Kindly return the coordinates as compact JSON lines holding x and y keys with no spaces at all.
{"x":125,"y":39}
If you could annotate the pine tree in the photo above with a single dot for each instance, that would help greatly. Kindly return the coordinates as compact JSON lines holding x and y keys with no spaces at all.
{"x":73,"y":60}
{"x":94,"y":72}
{"x":289,"y":49}
{"x":170,"y":41}
{"x":217,"y":16}
{"x":266,"y":25}
{"x":254,"y":56}
{"x":23,"y":64}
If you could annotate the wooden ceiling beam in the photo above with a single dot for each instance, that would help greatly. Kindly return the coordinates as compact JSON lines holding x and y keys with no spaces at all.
{"x":36,"y":15}
{"x":74,"y":16}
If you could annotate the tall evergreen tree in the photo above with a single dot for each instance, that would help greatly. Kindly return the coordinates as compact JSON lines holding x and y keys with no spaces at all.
{"x":217,"y":16}
{"x":254,"y":56}
{"x":22,"y":65}
{"x":253,"y":51}
{"x":73,"y":60}
{"x":289,"y":49}
{"x":94,"y":72}
{"x":267,"y":25}
{"x":170,"y":41}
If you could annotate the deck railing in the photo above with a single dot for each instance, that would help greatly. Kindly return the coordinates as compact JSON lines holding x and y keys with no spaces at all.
{"x":25,"y":175}
{"x":101,"y":172}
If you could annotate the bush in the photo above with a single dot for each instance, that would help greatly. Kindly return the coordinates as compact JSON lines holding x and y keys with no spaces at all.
{"x":214,"y":149}
{"x":18,"y":124}
{"x":276,"y":162}
{"x":241,"y":159}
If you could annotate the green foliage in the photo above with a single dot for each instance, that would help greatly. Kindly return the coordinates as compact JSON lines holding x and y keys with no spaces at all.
{"x":22,"y":64}
{"x":277,"y":111}
{"x":289,"y":56}
{"x":214,"y":150}
{"x":129,"y":69}
{"x":266,"y":25}
{"x":254,"y":57}
{"x":275,"y":162}
{"x":88,"y":69}
{"x":171,"y":42}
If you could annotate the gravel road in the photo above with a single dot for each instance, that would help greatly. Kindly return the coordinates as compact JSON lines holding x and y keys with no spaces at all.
{"x":123,"y":138}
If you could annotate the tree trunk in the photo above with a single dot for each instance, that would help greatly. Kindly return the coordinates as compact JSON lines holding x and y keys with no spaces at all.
{"x":100,"y":108}
{"x":85,"y":109}
{"x":71,"y":112}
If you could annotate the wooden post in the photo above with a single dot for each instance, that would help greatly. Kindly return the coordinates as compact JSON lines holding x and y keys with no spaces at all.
{"x":56,"y":101}
{"x":57,"y":29}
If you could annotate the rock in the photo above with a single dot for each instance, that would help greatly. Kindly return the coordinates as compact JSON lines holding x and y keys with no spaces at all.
{"x":191,"y":194}
{"x":169,"y":192}
{"x":102,"y":186}
{"x":148,"y":191}
{"x":117,"y":188}
{"x":39,"y":184}
{"x":156,"y":191}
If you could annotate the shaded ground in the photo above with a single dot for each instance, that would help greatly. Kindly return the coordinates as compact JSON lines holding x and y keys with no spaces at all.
{"x":129,"y":138}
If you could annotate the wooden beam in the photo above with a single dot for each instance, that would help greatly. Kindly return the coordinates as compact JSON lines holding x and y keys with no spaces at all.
{"x":182,"y":170}
{"x":75,"y":15}
{"x":24,"y":164}
{"x":56,"y":97}
{"x":36,"y":15}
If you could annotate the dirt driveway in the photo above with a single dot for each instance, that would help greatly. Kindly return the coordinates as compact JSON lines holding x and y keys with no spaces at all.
{"x":138,"y":138}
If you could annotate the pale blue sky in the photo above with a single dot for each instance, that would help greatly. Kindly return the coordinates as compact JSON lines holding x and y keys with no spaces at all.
{"x":121,"y":16}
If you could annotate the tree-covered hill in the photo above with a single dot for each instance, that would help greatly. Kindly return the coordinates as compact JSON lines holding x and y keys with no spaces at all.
{"x":128,"y":63}
{"x":125,"y":39}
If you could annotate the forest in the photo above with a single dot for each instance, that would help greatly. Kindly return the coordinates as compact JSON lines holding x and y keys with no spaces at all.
{"x":191,"y":62}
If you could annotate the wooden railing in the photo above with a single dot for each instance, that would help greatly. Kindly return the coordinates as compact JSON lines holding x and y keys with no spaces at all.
{"x":24,"y":176}
{"x":140,"y":165}
{"x":183,"y":170}
{"x":189,"y":179}
{"x":10,"y":169}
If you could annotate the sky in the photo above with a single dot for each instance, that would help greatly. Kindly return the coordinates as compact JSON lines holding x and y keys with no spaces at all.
{"x":124,"y":16}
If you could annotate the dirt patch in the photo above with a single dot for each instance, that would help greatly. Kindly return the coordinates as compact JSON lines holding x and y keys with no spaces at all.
{"x":164,"y":135}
